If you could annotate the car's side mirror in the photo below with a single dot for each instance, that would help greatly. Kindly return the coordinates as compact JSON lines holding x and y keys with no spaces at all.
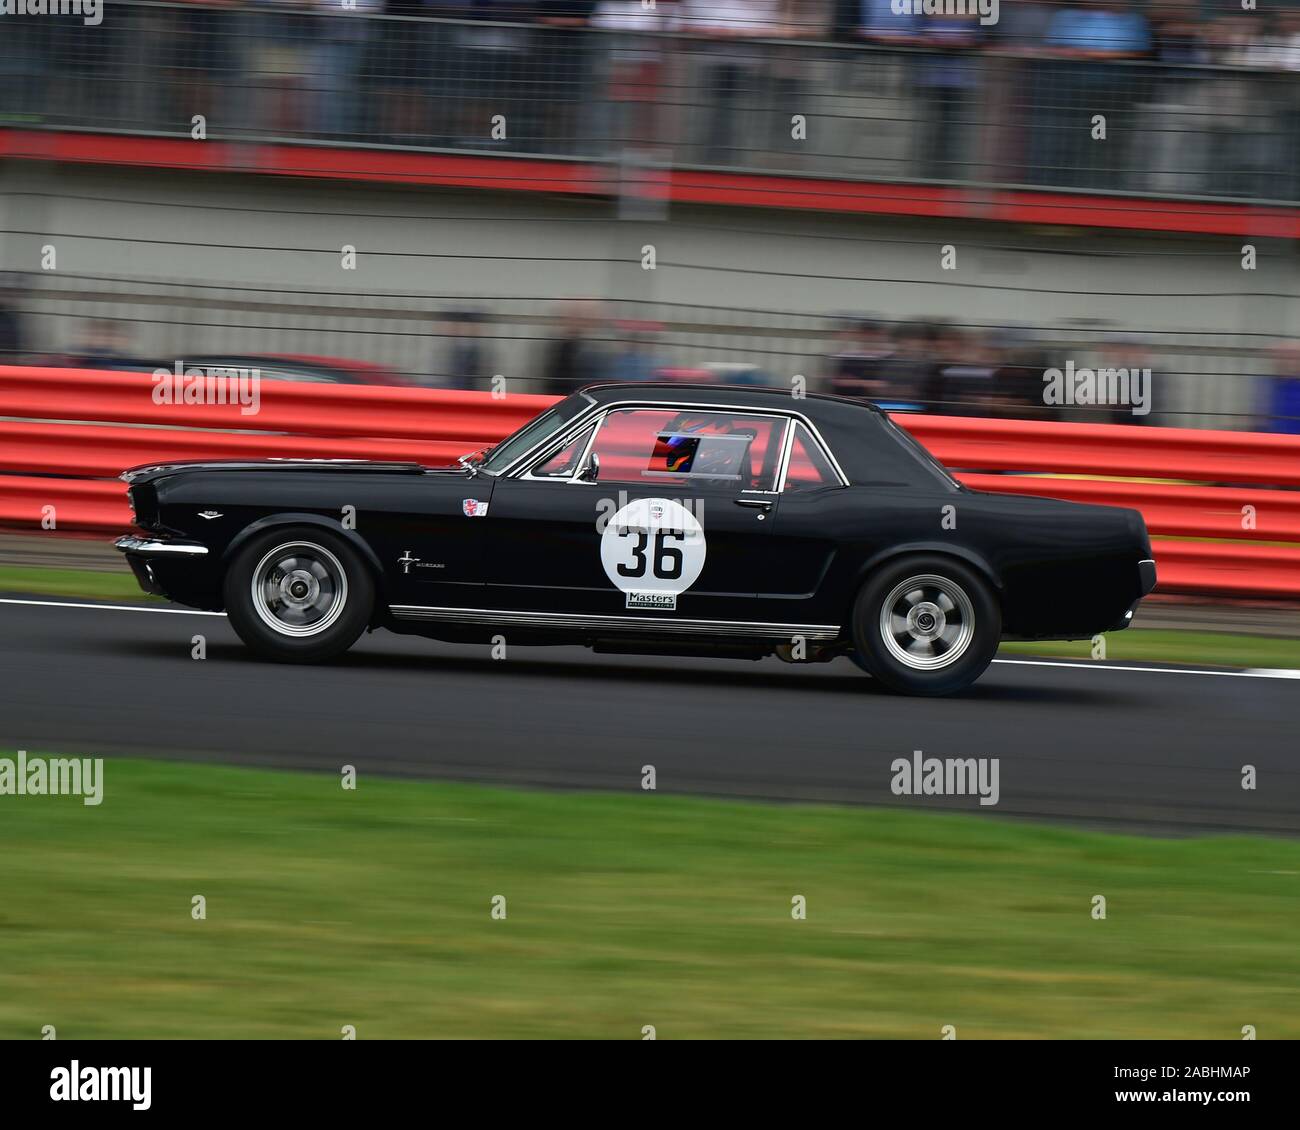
{"x":591,"y":472}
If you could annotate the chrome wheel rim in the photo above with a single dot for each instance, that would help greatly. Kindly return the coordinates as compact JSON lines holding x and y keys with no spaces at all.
{"x":927,"y":622}
{"x":299,"y":589}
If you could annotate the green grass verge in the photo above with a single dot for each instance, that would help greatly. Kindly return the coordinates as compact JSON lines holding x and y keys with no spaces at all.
{"x":372,"y":908}
{"x":1165,"y":645}
{"x":87,"y":584}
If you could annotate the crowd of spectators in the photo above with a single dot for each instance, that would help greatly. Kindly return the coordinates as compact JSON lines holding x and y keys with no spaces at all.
{"x":1012,"y":99}
{"x":939,"y":367}
{"x":914,"y":365}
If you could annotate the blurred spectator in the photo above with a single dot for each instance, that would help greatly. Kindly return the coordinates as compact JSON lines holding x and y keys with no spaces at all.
{"x":1238,"y":134}
{"x":1017,"y":385}
{"x":1182,"y":109}
{"x":939,"y":348}
{"x":103,"y":345}
{"x":560,"y":67}
{"x":280,"y":54}
{"x":949,"y":85}
{"x":632,"y":78}
{"x":572,"y":359}
{"x":636,"y":358}
{"x":963,"y":378}
{"x":1090,"y":37}
{"x":729,"y":69}
{"x":1023,"y":25}
{"x":26,"y":50}
{"x":201,"y":48}
{"x":462,"y":356}
{"x":1287,"y":103}
{"x":857,"y":368}
{"x":881,"y":24}
{"x":336,"y":63}
{"x":496,"y":74}
{"x":1132,"y":351}
{"x":397,"y":65}
{"x":907,"y":367}
{"x":1284,"y":390}
{"x":1178,"y":34}
{"x":11,"y":335}
{"x":1099,"y":29}
{"x":1020,"y":84}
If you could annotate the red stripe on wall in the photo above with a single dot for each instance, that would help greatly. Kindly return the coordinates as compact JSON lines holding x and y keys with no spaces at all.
{"x":538,"y":174}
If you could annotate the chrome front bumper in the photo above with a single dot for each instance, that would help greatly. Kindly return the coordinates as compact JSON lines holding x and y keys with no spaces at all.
{"x":1146,"y":575}
{"x":149,"y":547}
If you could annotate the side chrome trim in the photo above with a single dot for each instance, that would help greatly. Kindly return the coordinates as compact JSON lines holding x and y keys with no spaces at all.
{"x":787,"y":446}
{"x":131,"y":544}
{"x":576,"y":621}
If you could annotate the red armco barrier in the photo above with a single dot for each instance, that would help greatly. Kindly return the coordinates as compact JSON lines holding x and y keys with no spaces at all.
{"x":65,"y":434}
{"x":1110,"y":449}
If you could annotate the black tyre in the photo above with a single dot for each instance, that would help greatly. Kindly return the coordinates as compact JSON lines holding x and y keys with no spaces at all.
{"x":926,"y":625}
{"x":299,"y":594}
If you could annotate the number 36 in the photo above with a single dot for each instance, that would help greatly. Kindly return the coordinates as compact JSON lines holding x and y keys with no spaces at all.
{"x":667,"y":559}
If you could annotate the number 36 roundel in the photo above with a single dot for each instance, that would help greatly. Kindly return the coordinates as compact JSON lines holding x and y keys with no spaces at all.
{"x":653,"y":550}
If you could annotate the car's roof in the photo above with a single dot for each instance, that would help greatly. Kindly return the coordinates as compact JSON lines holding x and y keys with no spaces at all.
{"x":868,"y":446}
{"x":815,"y":405}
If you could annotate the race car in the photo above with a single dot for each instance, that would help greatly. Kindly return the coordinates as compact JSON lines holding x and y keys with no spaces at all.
{"x":647,"y":519}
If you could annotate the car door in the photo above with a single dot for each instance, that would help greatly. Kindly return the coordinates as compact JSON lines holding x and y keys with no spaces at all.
{"x":657,"y":511}
{"x":813,"y":510}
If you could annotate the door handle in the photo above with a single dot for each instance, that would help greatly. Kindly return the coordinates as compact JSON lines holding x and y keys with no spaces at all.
{"x":758,"y":503}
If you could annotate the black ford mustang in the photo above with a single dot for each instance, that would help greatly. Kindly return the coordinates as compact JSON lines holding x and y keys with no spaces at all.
{"x":669,"y":520}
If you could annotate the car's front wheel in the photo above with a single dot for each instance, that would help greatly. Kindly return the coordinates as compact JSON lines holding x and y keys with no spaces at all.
{"x":298,"y":595}
{"x":926,"y":625}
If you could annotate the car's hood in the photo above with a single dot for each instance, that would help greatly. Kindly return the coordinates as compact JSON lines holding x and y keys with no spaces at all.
{"x":152,"y":472}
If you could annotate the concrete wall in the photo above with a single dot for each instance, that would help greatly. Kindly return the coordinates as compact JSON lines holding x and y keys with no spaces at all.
{"x":200,"y":263}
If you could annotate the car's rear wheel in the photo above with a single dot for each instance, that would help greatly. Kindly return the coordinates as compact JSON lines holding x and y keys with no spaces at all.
{"x":299,"y":595}
{"x":926,"y":625}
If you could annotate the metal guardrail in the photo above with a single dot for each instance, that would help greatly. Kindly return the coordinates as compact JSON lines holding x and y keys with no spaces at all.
{"x":868,"y":112}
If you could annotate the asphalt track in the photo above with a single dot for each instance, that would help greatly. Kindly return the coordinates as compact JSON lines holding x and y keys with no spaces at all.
{"x":1158,"y":750}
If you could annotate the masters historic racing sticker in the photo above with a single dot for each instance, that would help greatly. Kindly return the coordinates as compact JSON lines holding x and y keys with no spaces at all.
{"x":653,"y":550}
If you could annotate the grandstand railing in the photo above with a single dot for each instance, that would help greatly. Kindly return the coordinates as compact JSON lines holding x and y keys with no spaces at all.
{"x":847,"y":110}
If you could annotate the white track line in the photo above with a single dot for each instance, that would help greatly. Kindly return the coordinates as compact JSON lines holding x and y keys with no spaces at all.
{"x":111,"y":607}
{"x":1253,"y":673}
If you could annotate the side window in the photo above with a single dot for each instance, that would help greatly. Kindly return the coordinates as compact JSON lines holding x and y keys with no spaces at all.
{"x":682,"y":445}
{"x":564,"y":462}
{"x":809,"y":468}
